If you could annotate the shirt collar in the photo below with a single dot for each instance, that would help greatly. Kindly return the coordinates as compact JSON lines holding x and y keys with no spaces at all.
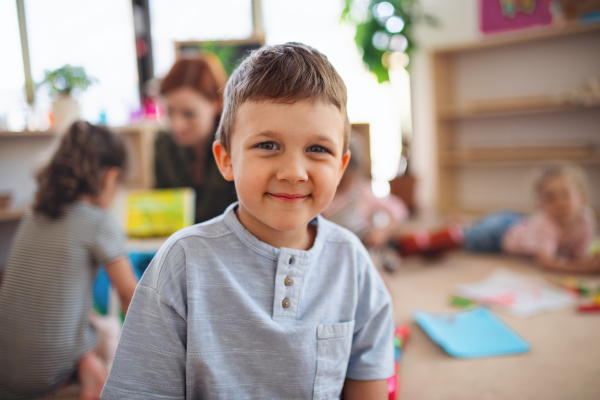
{"x":267,"y":250}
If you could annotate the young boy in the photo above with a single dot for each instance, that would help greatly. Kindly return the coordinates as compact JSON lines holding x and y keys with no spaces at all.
{"x":269,"y":300}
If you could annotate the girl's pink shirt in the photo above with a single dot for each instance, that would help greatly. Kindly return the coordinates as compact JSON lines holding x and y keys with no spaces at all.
{"x":540,"y":234}
{"x":368,"y":203}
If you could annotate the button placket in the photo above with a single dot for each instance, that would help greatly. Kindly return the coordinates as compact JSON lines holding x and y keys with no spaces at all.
{"x":288,"y":282}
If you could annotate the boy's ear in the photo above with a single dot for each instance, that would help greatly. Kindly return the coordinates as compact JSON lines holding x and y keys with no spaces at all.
{"x":223,"y":160}
{"x":344,"y":165}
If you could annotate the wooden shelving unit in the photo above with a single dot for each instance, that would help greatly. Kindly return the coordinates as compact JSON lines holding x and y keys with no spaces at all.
{"x":526,"y":155}
{"x":509,"y":107}
{"x":27,"y":134}
{"x":139,"y":139}
{"x":457,"y":107}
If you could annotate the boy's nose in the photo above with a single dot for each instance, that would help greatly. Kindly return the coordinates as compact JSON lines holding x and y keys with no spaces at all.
{"x":292,"y":169}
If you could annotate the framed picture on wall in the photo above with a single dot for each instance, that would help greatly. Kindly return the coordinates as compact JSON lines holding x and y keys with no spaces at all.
{"x":230,"y":52}
{"x":507,"y":15}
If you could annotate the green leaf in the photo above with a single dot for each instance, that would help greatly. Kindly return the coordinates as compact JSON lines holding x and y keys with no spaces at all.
{"x":66,"y":78}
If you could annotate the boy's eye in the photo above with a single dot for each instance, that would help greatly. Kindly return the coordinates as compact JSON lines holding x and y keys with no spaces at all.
{"x":318,"y":149}
{"x":267,"y":146}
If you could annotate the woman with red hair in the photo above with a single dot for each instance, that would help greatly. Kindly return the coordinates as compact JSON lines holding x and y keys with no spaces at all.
{"x":193,"y":99}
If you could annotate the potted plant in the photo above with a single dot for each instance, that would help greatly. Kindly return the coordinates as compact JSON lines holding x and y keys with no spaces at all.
{"x":62,"y":82}
{"x":386,"y":28}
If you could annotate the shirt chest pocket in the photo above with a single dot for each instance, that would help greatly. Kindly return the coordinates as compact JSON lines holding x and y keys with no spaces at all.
{"x":334,"y":343}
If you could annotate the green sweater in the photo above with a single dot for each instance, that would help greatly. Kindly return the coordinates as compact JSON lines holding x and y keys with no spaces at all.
{"x":173,"y":168}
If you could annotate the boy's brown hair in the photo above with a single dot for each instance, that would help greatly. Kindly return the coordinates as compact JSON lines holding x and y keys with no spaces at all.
{"x":285,"y":74}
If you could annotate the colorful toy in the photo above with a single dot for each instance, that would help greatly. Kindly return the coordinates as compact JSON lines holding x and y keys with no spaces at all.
{"x":594,"y":249}
{"x":594,"y":306}
{"x":432,"y":243}
{"x":574,"y":285}
{"x":401,"y":336}
{"x":159,"y":212}
{"x":586,"y":308}
{"x":461,"y":302}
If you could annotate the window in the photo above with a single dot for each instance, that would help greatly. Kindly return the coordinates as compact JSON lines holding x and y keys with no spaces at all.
{"x":97,"y":35}
{"x":13,"y":107}
{"x":180,"y":20}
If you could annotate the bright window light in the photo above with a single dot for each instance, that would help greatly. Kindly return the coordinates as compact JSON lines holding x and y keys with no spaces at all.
{"x":13,"y":107}
{"x":96,"y":35}
{"x":181,"y":20}
{"x":380,"y":188}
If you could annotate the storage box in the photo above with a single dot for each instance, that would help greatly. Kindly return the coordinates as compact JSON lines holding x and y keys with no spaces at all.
{"x":159,"y":212}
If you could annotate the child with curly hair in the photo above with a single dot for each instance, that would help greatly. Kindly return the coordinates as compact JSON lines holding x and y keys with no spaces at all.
{"x":46,"y":293}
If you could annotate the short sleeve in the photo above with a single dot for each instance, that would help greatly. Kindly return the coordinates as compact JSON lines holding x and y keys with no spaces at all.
{"x":150,"y":362}
{"x":109,"y":242}
{"x":372,"y":354}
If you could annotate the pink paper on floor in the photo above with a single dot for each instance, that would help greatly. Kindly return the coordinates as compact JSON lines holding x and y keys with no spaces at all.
{"x":516,"y":294}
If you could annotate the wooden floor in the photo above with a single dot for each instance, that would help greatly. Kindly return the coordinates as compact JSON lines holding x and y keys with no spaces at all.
{"x":563,"y":363}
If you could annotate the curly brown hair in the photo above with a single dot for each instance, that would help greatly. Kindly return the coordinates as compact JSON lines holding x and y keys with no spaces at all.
{"x":85,"y":152}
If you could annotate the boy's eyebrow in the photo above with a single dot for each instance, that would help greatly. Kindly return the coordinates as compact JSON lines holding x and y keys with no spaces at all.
{"x":319,"y":137}
{"x":268,"y":134}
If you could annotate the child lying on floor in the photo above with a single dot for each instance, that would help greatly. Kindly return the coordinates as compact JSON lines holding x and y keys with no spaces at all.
{"x":557,"y":235}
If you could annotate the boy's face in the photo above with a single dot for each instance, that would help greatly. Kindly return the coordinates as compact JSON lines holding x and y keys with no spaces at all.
{"x":286,"y":161}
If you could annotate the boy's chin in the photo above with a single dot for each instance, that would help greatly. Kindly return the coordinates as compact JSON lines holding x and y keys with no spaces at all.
{"x":289,"y":225}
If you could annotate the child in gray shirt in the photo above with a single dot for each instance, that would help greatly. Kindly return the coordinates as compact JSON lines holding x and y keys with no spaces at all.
{"x":269,"y":300}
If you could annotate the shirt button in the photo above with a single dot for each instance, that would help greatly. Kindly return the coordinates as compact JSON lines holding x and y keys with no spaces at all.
{"x":288,"y":281}
{"x":285,"y":303}
{"x":290,"y":260}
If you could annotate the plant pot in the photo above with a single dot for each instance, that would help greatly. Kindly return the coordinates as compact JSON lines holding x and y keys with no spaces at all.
{"x":65,"y":111}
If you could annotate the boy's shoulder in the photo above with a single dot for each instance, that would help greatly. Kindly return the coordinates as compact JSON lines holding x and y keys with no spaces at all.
{"x":196,"y":234}
{"x":336,"y":235}
{"x":171,"y":256}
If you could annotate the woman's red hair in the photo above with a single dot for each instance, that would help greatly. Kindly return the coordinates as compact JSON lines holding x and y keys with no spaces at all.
{"x":203,"y":74}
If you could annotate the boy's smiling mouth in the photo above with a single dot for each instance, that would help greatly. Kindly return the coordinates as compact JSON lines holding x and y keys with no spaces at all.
{"x":288,"y":197}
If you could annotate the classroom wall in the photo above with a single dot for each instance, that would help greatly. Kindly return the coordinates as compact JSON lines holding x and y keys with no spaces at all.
{"x":458,"y":24}
{"x":20,"y":157}
{"x":527,"y":69}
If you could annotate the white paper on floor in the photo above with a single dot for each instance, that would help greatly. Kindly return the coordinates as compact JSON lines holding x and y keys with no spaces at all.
{"x":516,"y":294}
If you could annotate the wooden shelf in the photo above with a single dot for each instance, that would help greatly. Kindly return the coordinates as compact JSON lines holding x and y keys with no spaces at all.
{"x":508,"y":107}
{"x":472,"y":213}
{"x":522,"y":36}
{"x":525,"y":155}
{"x":27,"y":134}
{"x":129,"y":129}
{"x":468,"y":85}
{"x":12,"y":214}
